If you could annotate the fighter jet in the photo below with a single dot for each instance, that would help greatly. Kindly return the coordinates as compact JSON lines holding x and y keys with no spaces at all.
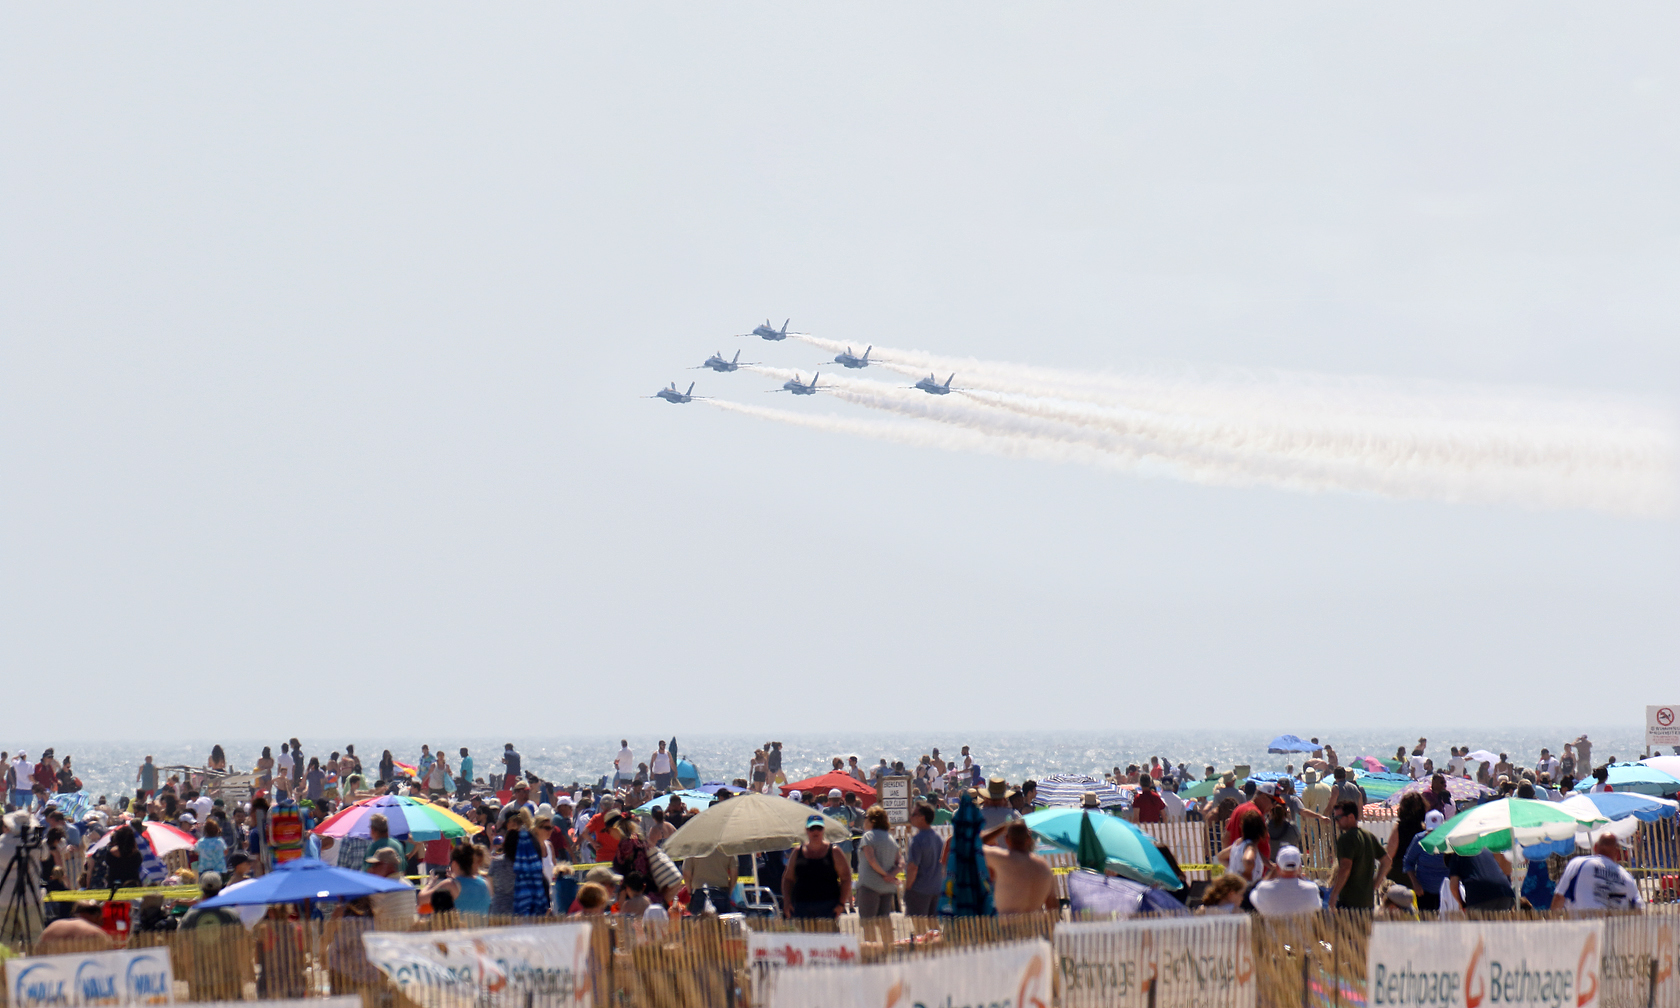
{"x":770,"y":332}
{"x":671,"y":395}
{"x":793,"y":385}
{"x":851,"y":360}
{"x":931,"y":385}
{"x":718,"y":364}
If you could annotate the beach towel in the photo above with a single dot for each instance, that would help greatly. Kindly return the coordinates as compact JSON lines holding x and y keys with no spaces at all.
{"x":530,"y":891}
{"x":152,"y":869}
{"x":968,"y":883}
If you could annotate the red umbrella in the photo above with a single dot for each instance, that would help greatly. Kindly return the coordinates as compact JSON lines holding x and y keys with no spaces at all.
{"x":833,"y":779}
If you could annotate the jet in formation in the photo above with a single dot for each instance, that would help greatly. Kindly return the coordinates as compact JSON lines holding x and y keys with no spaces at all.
{"x":931,"y":385}
{"x":797,"y":388}
{"x":671,"y":395}
{"x":851,"y":360}
{"x":718,"y":364}
{"x":770,"y":332}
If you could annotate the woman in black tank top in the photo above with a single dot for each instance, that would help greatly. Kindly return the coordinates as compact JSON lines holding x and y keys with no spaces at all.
{"x":817,"y":883}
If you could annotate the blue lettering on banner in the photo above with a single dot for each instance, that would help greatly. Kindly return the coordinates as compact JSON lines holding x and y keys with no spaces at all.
{"x":1407,"y":986}
{"x":44,"y":987}
{"x":96,"y":984}
{"x":149,"y":981}
{"x":1525,"y":986}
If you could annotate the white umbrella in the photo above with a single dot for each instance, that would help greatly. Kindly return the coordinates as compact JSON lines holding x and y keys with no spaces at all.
{"x":1482,"y":756}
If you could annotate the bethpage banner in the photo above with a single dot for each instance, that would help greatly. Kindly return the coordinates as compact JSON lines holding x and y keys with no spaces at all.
{"x":1199,"y":962}
{"x":137,"y":977}
{"x":1483,"y":964}
{"x":488,"y":966}
{"x":1016,"y":975}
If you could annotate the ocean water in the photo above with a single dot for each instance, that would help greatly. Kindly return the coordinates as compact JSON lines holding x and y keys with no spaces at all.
{"x":110,"y":767}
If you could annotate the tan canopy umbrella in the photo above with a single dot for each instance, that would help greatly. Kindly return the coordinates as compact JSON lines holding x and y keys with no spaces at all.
{"x":749,"y":823}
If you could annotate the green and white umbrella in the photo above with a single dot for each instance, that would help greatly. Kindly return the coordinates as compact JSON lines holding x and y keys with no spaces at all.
{"x":1496,"y":824}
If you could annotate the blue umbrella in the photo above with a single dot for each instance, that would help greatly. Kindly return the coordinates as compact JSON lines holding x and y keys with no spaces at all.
{"x":1637,"y":777}
{"x":1289,"y":744}
{"x":1131,"y":851}
{"x":1104,"y":895}
{"x":1068,"y":790}
{"x":305,"y":879}
{"x":1613,"y":805}
{"x":687,"y":774}
{"x":703,"y":799}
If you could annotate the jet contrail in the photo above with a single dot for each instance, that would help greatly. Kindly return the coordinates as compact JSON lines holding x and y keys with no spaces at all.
{"x":1315,"y":432}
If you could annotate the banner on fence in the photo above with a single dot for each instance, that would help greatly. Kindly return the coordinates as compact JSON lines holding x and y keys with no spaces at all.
{"x":1480,"y":964}
{"x":1640,"y":955}
{"x":487,"y":966}
{"x":1016,"y":974}
{"x":346,"y":1001}
{"x":1196,"y":963}
{"x":775,"y":949}
{"x":138,"y":977}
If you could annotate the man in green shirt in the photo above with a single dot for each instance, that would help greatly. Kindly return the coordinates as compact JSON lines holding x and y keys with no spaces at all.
{"x":1361,"y":859}
{"x":380,"y":827}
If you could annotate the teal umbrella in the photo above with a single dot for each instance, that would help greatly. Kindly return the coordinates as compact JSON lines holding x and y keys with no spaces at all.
{"x":689,"y":798}
{"x":1639,"y":778}
{"x":1129,"y":851}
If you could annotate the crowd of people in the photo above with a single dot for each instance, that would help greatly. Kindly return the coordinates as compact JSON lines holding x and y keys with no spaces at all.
{"x":544,"y":848}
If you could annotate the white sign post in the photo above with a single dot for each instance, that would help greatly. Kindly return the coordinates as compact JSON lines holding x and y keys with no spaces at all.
{"x":1662,"y":725}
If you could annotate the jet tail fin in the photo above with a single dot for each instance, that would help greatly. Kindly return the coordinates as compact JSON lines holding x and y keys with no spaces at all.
{"x":784,"y":326}
{"x":690,"y":388}
{"x":949,"y":380}
{"x":737,"y":359}
{"x":866,"y":353}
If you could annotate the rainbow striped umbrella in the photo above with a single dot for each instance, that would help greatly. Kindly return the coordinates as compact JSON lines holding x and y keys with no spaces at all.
{"x":407,"y":817}
{"x":406,"y":769}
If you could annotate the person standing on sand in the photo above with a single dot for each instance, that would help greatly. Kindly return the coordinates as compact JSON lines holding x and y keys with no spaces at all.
{"x":1022,"y":882}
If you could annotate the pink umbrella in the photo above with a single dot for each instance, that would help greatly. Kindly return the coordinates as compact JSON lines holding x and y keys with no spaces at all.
{"x":1370,"y":763}
{"x":162,"y":836}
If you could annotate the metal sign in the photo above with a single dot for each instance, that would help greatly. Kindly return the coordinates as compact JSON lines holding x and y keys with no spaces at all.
{"x":895,"y":798}
{"x":1662,"y":725}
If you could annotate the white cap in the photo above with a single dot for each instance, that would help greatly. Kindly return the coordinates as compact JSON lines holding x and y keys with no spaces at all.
{"x":1266,"y":788}
{"x":794,"y":796}
{"x":834,"y":792}
{"x":1289,"y":858}
{"x":1433,"y":818}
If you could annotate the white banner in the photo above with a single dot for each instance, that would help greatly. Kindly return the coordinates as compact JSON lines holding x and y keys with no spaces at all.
{"x":774,"y":950}
{"x":346,"y":1001}
{"x":1016,"y":975}
{"x":138,"y":977}
{"x":1549,"y":964}
{"x":1198,"y":962}
{"x":487,"y":966}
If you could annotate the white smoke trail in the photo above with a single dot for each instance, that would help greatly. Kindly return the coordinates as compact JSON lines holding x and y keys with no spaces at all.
{"x":1314,"y":432}
{"x":927,"y":435}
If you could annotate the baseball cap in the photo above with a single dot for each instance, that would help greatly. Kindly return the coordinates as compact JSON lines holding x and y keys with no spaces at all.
{"x":1399,"y":895}
{"x":814,"y":822}
{"x":1266,"y":788}
{"x":795,"y":795}
{"x":385,"y":855}
{"x":1289,"y":858}
{"x":834,"y":792}
{"x":1433,"y":818}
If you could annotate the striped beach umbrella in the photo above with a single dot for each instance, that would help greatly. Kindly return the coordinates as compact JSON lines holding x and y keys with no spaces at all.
{"x":1068,"y":790}
{"x":1496,"y":825}
{"x":163,"y":837}
{"x":406,"y":817}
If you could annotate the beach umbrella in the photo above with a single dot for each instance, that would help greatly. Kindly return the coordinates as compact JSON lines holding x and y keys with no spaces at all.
{"x":1090,"y":851}
{"x":1459,"y":788}
{"x":833,"y":779}
{"x":1291,"y":744}
{"x":1129,"y":850}
{"x":1667,"y":764}
{"x":1640,"y":778}
{"x":1068,"y":790}
{"x":1098,"y":895}
{"x":968,"y":880}
{"x":1481,"y":756}
{"x":163,"y":837}
{"x":406,"y":769}
{"x":1202,"y":788}
{"x":1625,"y":810}
{"x":747,"y":824}
{"x":690,"y":799}
{"x":1371,"y":764}
{"x":305,"y":879}
{"x":1379,"y":786}
{"x":688,"y":775}
{"x":406,"y":817}
{"x":1496,"y":825}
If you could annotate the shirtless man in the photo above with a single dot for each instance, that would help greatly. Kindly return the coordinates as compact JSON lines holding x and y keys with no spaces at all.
{"x":1022,"y":882}
{"x":80,"y":932}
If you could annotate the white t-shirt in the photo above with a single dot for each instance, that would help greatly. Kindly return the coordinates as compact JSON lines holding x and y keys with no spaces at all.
{"x":626,"y":762}
{"x":1597,"y":883}
{"x":1416,"y":763}
{"x":1235,"y":867}
{"x":201,"y":807}
{"x":1280,"y":897}
{"x":661,"y":762}
{"x":1174,"y":812}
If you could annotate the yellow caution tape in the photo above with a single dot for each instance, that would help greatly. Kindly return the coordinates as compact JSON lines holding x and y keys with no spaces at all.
{"x":123,"y":895}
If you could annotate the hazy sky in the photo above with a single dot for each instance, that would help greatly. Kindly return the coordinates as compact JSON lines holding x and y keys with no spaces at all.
{"x":326,"y":325}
